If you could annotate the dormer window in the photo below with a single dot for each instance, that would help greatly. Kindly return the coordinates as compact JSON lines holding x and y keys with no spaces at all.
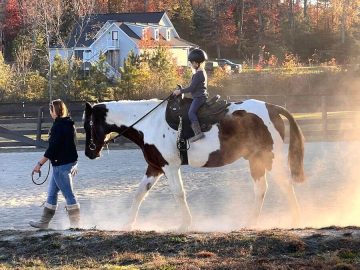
{"x":167,"y":34}
{"x":156,"y":34}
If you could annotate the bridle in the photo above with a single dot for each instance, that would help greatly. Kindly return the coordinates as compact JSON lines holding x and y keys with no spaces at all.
{"x":92,"y":145}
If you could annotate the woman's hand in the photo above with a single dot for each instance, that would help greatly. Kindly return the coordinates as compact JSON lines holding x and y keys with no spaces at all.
{"x":177,"y":92}
{"x":36,"y":169}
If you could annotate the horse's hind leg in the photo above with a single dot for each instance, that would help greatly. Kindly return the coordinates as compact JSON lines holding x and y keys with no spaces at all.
{"x":175,"y":182}
{"x":260,"y":188}
{"x":283,"y":179}
{"x":149,"y":180}
{"x":258,"y":174}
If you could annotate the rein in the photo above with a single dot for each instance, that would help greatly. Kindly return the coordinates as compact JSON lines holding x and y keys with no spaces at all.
{"x":47,"y":175}
{"x":92,"y":145}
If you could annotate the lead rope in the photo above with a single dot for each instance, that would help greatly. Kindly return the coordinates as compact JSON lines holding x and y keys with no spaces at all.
{"x":47,"y":175}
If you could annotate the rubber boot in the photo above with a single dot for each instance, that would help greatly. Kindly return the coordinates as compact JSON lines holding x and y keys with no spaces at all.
{"x":74,"y":215}
{"x":197,"y":130}
{"x":45,"y":219}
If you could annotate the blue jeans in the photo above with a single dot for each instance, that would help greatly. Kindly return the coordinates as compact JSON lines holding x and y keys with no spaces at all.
{"x":194,"y":107}
{"x":61,"y":180}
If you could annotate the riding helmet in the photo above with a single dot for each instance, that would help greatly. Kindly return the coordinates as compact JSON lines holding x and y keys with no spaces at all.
{"x":197,"y":55}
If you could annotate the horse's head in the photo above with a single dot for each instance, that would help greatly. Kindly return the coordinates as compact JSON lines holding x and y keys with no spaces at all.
{"x":96,"y":129}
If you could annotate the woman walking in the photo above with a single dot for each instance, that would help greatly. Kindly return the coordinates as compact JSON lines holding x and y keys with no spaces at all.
{"x":63,"y":156}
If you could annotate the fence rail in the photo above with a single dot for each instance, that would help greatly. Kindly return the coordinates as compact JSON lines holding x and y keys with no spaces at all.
{"x":320,"y":117}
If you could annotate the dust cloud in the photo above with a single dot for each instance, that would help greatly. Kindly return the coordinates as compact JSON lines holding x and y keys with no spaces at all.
{"x":221,"y":199}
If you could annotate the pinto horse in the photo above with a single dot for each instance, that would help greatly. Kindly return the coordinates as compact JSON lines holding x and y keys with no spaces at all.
{"x":252,"y":129}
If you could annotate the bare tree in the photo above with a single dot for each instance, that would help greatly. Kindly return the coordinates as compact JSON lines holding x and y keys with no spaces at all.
{"x":48,"y":17}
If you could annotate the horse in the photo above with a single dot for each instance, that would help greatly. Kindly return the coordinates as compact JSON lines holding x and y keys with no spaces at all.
{"x":251,"y":129}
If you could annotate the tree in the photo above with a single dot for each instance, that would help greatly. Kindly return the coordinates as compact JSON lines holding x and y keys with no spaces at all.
{"x":181,"y":15}
{"x":12,"y":24}
{"x":163,"y":69}
{"x":6,"y":78}
{"x":131,"y":74}
{"x":51,"y":18}
{"x":215,"y":24}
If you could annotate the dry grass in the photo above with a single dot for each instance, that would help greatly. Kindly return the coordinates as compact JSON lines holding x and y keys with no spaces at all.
{"x":331,"y":248}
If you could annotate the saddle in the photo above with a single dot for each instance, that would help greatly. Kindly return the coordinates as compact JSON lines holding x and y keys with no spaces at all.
{"x":209,"y":114}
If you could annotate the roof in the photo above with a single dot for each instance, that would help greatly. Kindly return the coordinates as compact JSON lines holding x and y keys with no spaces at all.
{"x":96,"y":21}
{"x":176,"y":42}
{"x":128,"y":31}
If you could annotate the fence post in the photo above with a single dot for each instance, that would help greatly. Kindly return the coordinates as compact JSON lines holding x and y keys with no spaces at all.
{"x":38,"y":128}
{"x":324,"y":116}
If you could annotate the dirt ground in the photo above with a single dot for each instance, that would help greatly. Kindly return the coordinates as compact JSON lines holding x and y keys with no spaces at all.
{"x":327,"y":248}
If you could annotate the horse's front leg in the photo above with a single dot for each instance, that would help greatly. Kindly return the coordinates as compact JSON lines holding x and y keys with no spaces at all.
{"x":150,"y":178}
{"x":176,"y":185}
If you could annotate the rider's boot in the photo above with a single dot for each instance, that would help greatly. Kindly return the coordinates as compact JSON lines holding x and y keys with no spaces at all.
{"x":197,"y":130}
{"x":45,"y":219}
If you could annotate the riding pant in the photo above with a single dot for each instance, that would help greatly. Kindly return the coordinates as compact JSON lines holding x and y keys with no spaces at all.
{"x":194,"y":107}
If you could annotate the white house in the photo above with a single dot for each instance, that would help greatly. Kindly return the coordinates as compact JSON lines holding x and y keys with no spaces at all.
{"x":116,"y":34}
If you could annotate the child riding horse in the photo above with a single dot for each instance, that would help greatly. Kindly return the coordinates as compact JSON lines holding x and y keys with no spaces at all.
{"x":253,"y":130}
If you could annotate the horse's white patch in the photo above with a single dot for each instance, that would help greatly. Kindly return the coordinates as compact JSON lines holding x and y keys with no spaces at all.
{"x":199,"y":151}
{"x":154,"y":126}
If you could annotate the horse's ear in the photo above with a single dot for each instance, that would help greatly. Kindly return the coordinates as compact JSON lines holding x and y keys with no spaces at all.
{"x":88,"y":109}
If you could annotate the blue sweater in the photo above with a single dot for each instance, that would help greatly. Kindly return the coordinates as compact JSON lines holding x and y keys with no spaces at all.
{"x":198,"y":86}
{"x":62,"y":142}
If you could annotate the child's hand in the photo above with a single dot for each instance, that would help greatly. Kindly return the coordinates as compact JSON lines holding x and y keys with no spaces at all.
{"x":177,"y":92}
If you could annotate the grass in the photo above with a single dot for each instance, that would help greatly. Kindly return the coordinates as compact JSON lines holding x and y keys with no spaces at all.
{"x":245,"y":249}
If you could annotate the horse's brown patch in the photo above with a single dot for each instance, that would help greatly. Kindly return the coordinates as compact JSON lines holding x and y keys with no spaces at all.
{"x":244,"y":135}
{"x":152,"y":155}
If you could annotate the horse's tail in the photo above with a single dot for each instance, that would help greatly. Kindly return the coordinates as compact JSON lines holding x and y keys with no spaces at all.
{"x":296,"y":147}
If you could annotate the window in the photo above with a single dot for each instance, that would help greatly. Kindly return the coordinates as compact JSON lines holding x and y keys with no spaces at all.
{"x":168,"y":34}
{"x":79,"y":54}
{"x":115,"y":35}
{"x":156,"y":34}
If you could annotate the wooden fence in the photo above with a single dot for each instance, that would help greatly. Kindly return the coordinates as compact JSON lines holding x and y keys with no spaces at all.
{"x":320,"y":117}
{"x":24,"y":124}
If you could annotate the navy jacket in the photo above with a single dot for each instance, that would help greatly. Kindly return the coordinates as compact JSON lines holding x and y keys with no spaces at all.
{"x":198,"y":86}
{"x":62,"y":142}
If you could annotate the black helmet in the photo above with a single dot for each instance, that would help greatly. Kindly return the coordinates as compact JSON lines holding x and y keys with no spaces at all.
{"x":197,"y":55}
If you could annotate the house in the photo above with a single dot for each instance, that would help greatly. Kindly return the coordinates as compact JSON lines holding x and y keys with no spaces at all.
{"x":116,"y":34}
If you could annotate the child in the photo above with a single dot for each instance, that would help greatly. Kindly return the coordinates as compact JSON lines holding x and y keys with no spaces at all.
{"x":198,"y":90}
